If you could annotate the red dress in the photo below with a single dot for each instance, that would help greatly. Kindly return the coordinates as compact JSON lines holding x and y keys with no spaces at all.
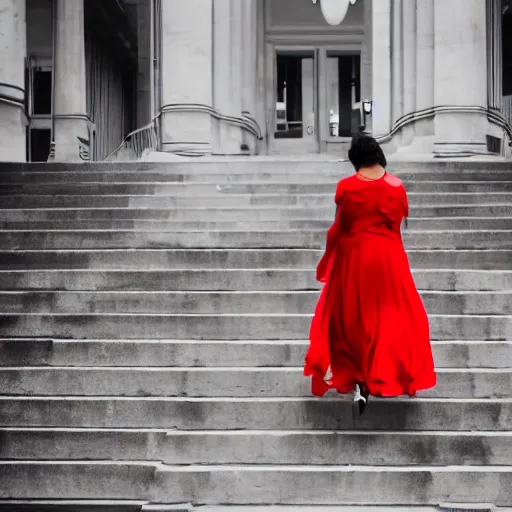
{"x":370,"y":325}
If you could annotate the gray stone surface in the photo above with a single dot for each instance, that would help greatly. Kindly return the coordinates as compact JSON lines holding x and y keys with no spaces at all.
{"x":236,"y":201}
{"x":230,"y":214}
{"x":204,"y":302}
{"x":213,"y":353}
{"x":221,"y":327}
{"x":153,"y":326}
{"x":260,"y":447}
{"x":235,"y":382}
{"x":268,"y":413}
{"x":314,"y":239}
{"x":259,"y":267}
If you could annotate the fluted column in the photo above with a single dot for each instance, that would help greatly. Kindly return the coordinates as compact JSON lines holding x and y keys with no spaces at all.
{"x":227,"y":73}
{"x":397,"y":53}
{"x":409,"y":66}
{"x":425,"y":67}
{"x":71,"y":136}
{"x":249,"y":64}
{"x":494,"y":54}
{"x":460,"y":75}
{"x":186,"y":76}
{"x":381,"y":66}
{"x":13,"y":52}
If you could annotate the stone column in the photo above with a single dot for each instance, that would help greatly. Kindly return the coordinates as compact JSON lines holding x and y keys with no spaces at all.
{"x":249,"y":64}
{"x":186,"y":76}
{"x":425,"y":69}
{"x":71,"y":135}
{"x":494,"y":54}
{"x":366,"y":52}
{"x":408,"y":23}
{"x":381,"y":66}
{"x":460,"y":75}
{"x":397,"y":54}
{"x":227,"y":73}
{"x":13,"y":52}
{"x":145,"y":110}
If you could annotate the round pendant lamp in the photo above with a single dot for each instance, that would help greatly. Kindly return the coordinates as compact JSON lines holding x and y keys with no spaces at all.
{"x":334,"y":11}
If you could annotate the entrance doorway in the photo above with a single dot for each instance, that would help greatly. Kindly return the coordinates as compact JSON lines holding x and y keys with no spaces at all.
{"x":315,"y":104}
{"x":40,"y":105}
{"x":295,"y":99}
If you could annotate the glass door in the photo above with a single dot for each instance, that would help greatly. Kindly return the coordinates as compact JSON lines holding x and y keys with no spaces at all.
{"x":343,"y":94}
{"x":295,"y":101}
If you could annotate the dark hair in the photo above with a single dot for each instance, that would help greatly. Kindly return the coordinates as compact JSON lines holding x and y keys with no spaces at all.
{"x":365,"y":152}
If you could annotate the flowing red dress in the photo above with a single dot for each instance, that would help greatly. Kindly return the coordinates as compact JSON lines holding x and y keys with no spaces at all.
{"x":370,"y":325}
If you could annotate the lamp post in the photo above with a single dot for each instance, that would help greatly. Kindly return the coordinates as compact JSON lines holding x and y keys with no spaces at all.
{"x":334,"y":11}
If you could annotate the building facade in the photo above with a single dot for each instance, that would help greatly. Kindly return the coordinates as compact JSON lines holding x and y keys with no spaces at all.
{"x":91,"y":79}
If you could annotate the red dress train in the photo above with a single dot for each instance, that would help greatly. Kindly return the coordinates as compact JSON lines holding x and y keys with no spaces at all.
{"x":370,"y":325}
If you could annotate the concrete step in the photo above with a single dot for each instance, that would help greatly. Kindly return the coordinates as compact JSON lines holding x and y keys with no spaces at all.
{"x":260,"y":447}
{"x":264,"y":302}
{"x":337,"y":448}
{"x":228,"y":214}
{"x":416,"y":199}
{"x":460,"y":507}
{"x":405,"y":414}
{"x":84,"y":505}
{"x":208,"y":353}
{"x":253,"y":484}
{"x":133,"y":480}
{"x":342,"y":484}
{"x":246,"y":382}
{"x":225,"y":188}
{"x":269,"y":165}
{"x":263,"y":262}
{"x":236,"y":177}
{"x":222,"y":327}
{"x":300,"y":239}
{"x":236,"y":280}
{"x":426,"y":223}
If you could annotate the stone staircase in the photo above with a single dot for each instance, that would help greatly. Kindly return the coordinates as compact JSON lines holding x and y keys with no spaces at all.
{"x":154,"y":322}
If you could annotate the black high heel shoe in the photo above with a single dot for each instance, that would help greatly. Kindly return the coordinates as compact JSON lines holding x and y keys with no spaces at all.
{"x":360,"y":402}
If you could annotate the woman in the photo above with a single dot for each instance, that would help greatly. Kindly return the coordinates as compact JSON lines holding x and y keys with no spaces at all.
{"x":370,"y":330}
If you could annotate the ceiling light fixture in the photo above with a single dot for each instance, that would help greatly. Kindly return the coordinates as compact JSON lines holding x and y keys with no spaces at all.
{"x":334,"y":11}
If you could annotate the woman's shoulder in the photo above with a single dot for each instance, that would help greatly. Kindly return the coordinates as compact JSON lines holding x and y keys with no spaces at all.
{"x":345,"y":184}
{"x":348,"y":181}
{"x":394,"y":181}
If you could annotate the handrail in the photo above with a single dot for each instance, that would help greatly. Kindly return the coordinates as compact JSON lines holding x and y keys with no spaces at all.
{"x":140,"y":139}
{"x":146,"y":137}
{"x":493,"y":116}
{"x":246,"y":121}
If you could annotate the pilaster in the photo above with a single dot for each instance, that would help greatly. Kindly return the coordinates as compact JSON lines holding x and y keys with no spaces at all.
{"x":13,"y":52}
